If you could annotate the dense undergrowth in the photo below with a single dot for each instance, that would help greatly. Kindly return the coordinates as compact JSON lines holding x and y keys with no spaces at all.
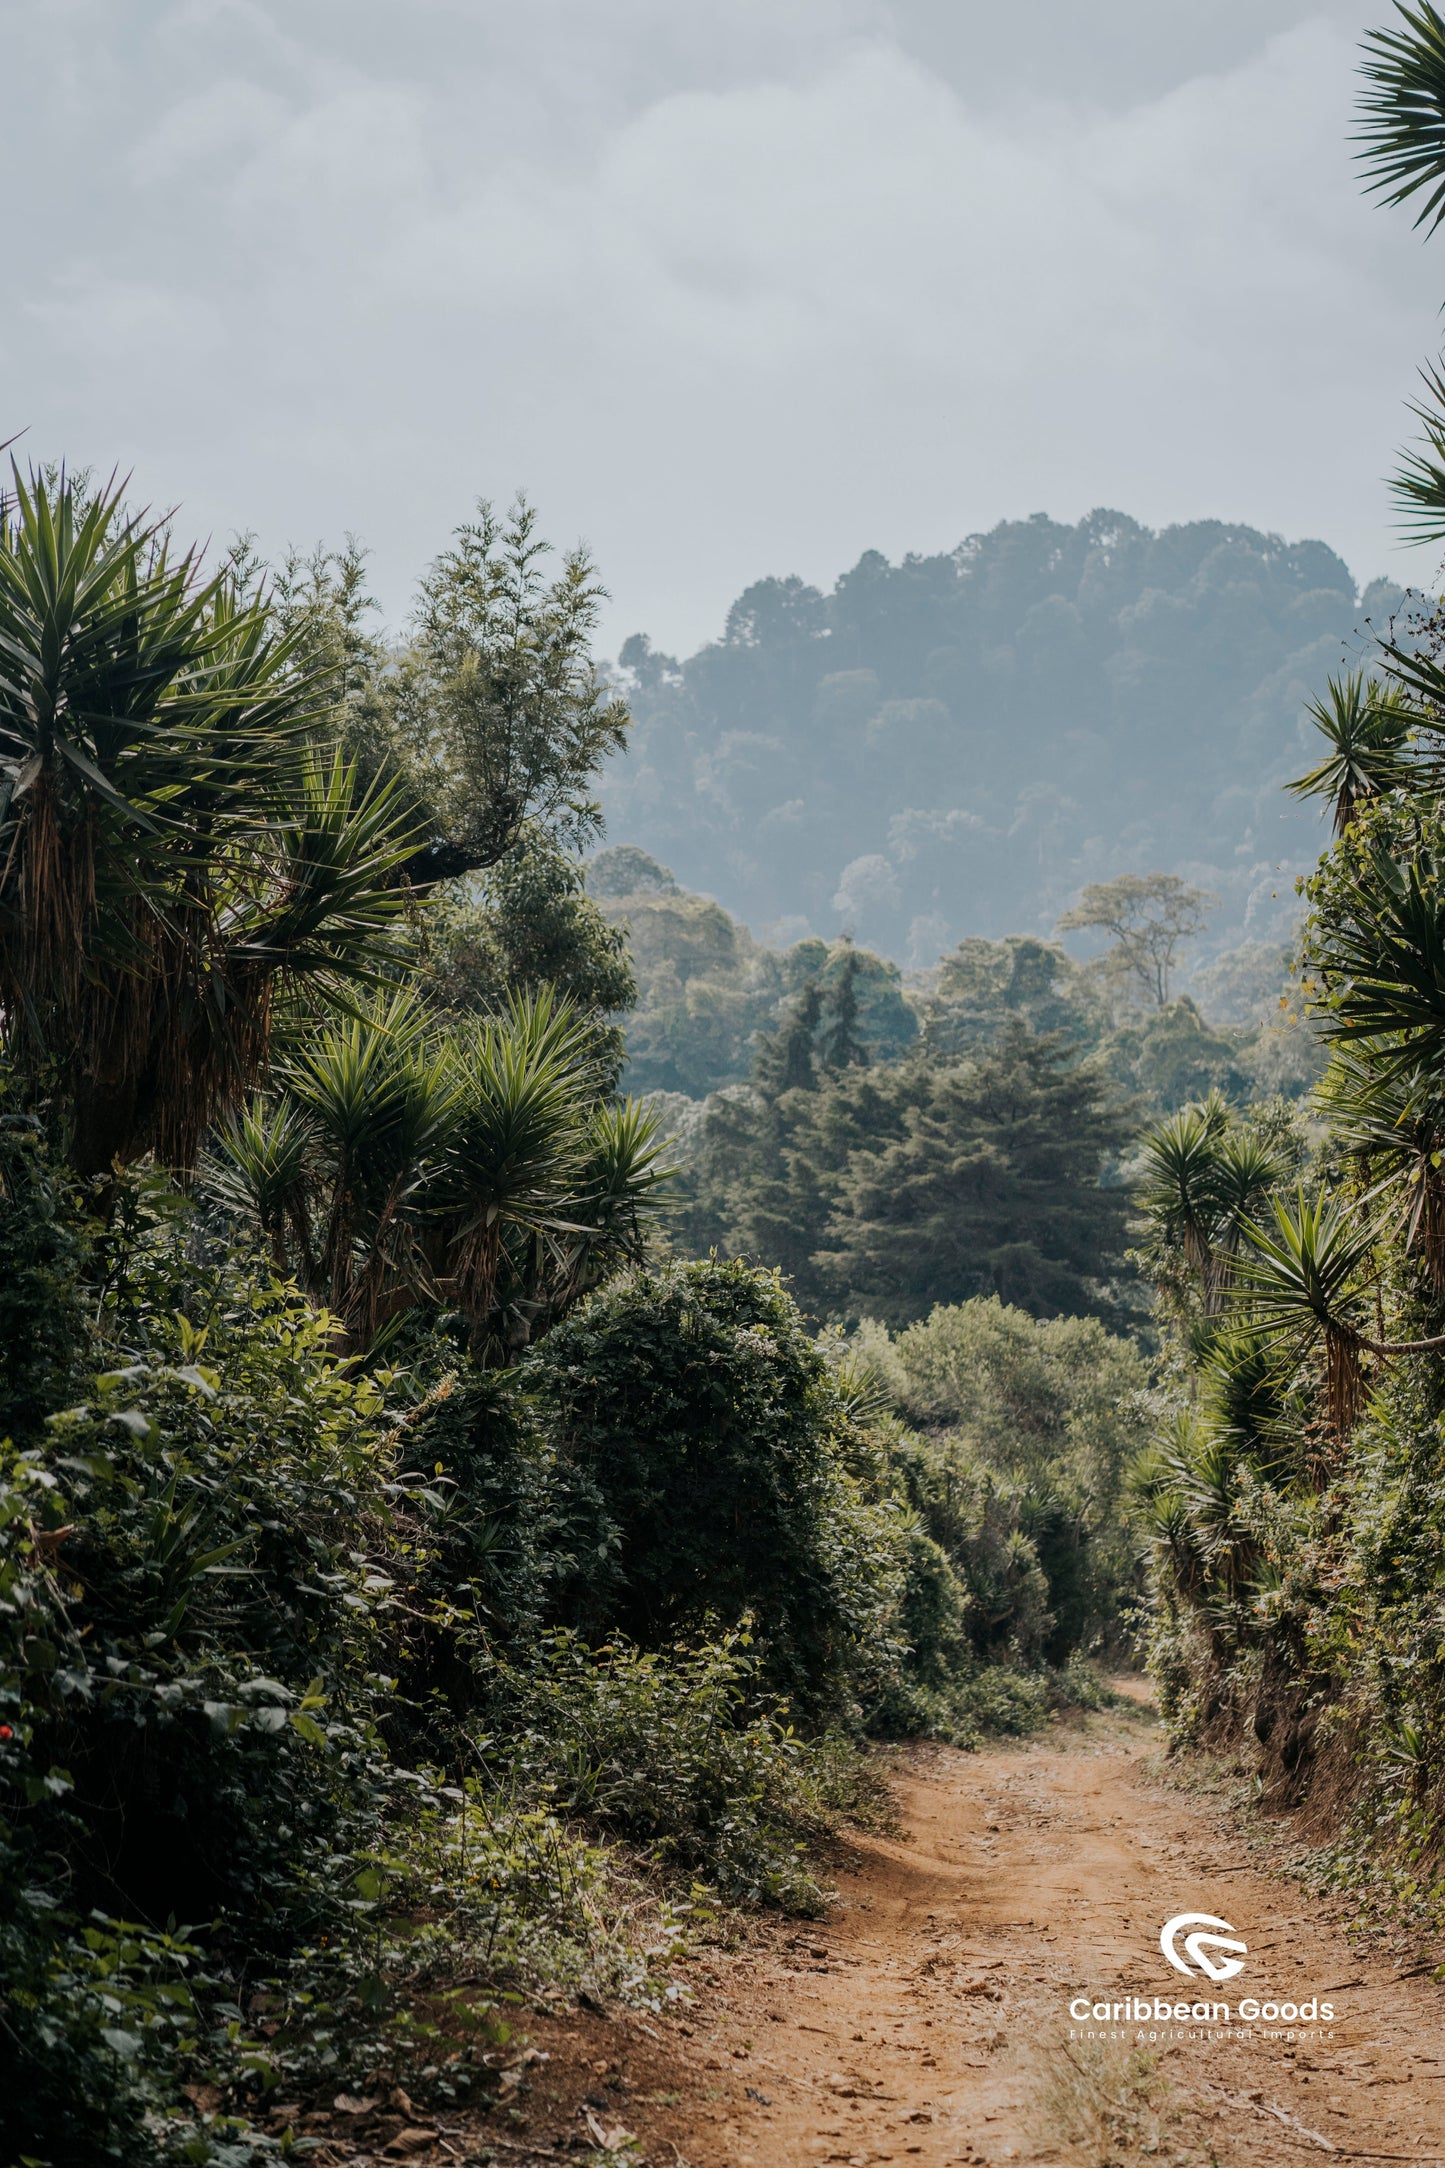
{"x":421,"y":1594}
{"x":328,"y":1684}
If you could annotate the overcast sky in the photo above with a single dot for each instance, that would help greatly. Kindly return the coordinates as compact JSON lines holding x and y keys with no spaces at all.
{"x":728,"y":286}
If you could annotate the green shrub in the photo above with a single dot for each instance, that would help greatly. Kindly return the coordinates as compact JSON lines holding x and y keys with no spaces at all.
{"x":1027,"y":1431}
{"x":686,"y":1753}
{"x":190,"y":1627}
{"x":731,"y":1477}
{"x":42,"y":1324}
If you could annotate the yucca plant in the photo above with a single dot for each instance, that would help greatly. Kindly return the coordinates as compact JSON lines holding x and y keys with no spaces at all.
{"x":1181,"y":1169}
{"x":381,"y":1098}
{"x":621,"y":1187}
{"x":1202,"y":1178}
{"x":473,"y":1166}
{"x":263,"y":1163}
{"x":1383,"y":963}
{"x":1366,"y":727}
{"x":1161,"y":1488}
{"x":1393,"y":1123}
{"x":1403,"y":151}
{"x":1242,"y":1395}
{"x":174,"y":851}
{"x":1403,"y":111}
{"x":1303,"y":1277}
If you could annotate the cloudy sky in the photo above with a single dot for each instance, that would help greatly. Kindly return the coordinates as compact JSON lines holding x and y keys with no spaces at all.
{"x":728,"y":286}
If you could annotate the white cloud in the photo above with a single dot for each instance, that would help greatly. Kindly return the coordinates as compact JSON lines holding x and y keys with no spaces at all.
{"x":866,"y":884}
{"x":730,"y":291}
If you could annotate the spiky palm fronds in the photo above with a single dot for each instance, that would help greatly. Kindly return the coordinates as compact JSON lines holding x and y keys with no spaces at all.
{"x":1385,"y":964}
{"x":1303,"y":1277}
{"x":1403,"y":111}
{"x":1161,"y":1486}
{"x":172,"y":851}
{"x":1181,"y":1166}
{"x":1418,"y":484}
{"x":1203,"y":1178}
{"x":517,"y":1152}
{"x":472,"y":1164}
{"x":1242,"y":1396}
{"x":626,"y":1166}
{"x":1393,"y":1122}
{"x":1248,"y":1168}
{"x":1366,"y":727}
{"x":262,"y":1163}
{"x":383,"y":1100}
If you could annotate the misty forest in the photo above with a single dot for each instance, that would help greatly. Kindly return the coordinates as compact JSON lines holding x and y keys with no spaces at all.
{"x":586,"y":1245}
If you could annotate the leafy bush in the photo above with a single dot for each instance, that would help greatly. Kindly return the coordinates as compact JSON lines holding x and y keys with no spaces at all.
{"x":42,"y":1329}
{"x":730,"y":1474}
{"x":190,"y":1629}
{"x":686,"y":1753}
{"x":1029,"y":1430}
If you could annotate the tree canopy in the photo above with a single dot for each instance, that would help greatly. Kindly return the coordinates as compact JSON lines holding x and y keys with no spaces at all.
{"x":944,"y":746}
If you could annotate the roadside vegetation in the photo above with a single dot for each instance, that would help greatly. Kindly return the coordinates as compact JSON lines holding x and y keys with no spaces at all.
{"x":424,"y":1588}
{"x":1294,"y":1495}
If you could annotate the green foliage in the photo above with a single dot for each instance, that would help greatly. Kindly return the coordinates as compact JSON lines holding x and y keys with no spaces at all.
{"x":42,"y":1250}
{"x":1366,"y":727}
{"x":1031,"y":1429}
{"x":190,"y":1651}
{"x":934,"y":747}
{"x":708,"y":989}
{"x":177,"y":850}
{"x":234,"y":1592}
{"x":300,"y":1735}
{"x":694,"y":1402}
{"x":1148,"y":917}
{"x":525,"y":925}
{"x":1175,"y":1056}
{"x":885,"y":1189}
{"x":1203,"y":1173}
{"x":493,"y":712}
{"x":683,"y":1751}
{"x":474,"y":1164}
{"x":984,"y":985}
{"x":1402,"y":131}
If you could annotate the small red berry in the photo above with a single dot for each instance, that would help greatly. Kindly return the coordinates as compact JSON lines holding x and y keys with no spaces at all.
{"x":6,"y":1732}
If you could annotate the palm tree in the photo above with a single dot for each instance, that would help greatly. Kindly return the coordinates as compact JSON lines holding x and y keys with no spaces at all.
{"x":471,"y":1166}
{"x":1393,"y":1122}
{"x":1367,"y":729}
{"x":177,"y":854}
{"x":1403,"y":111}
{"x":1383,"y":962}
{"x":1302,"y":1278}
{"x":1403,"y":139}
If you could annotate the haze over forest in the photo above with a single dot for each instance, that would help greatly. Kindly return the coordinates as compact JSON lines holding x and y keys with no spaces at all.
{"x":956,"y":743}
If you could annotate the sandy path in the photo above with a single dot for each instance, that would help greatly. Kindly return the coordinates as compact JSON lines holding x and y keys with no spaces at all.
{"x":937,"y":2021}
{"x":927,"y":2019}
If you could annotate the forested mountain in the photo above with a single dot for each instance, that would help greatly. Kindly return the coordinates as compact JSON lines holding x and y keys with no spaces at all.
{"x":955,"y":744}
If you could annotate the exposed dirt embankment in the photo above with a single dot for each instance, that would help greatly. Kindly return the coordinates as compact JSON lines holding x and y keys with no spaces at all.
{"x":927,"y":2020}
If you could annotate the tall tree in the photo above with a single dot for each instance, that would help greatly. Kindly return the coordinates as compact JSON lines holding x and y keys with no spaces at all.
{"x":176,"y":852}
{"x":493,"y":713}
{"x":840,"y":1046}
{"x":993,"y":1183}
{"x":1148,"y":917}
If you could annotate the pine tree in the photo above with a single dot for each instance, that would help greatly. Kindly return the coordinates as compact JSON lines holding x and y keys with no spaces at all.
{"x":840,"y":1046}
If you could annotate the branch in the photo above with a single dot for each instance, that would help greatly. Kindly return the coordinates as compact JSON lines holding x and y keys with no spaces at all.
{"x":1400,"y":1347}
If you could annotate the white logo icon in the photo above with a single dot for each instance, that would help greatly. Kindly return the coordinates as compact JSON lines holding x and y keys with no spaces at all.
{"x":1196,"y":1955}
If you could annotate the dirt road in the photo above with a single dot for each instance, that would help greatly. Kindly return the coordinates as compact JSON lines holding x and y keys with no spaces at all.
{"x":937,"y":2028}
{"x":928,"y":2019}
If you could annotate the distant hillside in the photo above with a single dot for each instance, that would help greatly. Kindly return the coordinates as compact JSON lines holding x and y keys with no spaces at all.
{"x":955,"y":744}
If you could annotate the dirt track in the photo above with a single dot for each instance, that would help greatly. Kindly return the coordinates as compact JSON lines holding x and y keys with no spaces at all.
{"x":927,"y":2019}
